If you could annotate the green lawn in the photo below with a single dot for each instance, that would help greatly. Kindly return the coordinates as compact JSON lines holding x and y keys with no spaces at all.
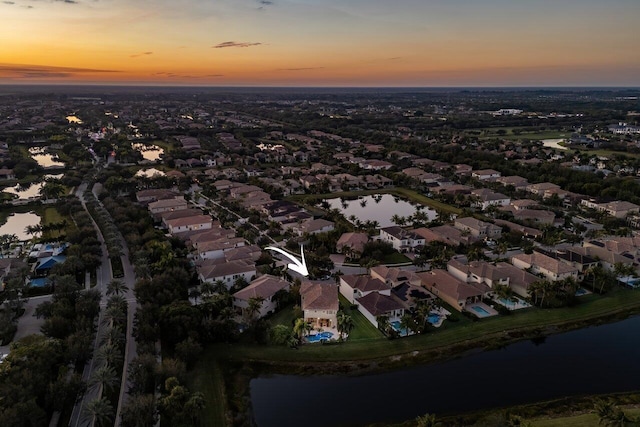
{"x":206,"y":378}
{"x":363,"y":330}
{"x":395,"y":258}
{"x":583,"y":420}
{"x":424,"y":200}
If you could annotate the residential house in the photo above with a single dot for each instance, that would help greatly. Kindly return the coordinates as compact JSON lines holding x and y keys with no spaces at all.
{"x":152,"y":195}
{"x":485,"y":174}
{"x":227,"y":272}
{"x":352,"y":244}
{"x":7,"y":173}
{"x":216,"y":249}
{"x":376,"y":304}
{"x":537,"y":216}
{"x":618,"y":209}
{"x":478,"y":229}
{"x":538,"y":263}
{"x":191,"y":223}
{"x":167,"y":205}
{"x":402,"y":240}
{"x":485,"y":198}
{"x":608,"y":259}
{"x":516,"y":181}
{"x":314,"y":226}
{"x":263,"y":288}
{"x":354,"y":287}
{"x":319,"y":302}
{"x":451,"y":290}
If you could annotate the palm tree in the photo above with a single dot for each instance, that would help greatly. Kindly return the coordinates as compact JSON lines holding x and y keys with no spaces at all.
{"x":109,"y":354}
{"x":300,"y":328}
{"x":99,"y":410}
{"x":407,"y":323}
{"x":116,"y":287}
{"x":254,"y":306}
{"x":105,"y":376}
{"x":383,"y":323}
{"x":345,"y":324}
{"x":426,"y":420}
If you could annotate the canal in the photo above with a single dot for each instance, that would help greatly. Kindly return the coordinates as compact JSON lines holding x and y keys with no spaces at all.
{"x":594,"y":360}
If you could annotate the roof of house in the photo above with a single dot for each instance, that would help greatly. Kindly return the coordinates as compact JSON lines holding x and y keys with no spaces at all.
{"x":264,"y":286}
{"x":364,"y":283}
{"x":189,"y":220}
{"x":168,"y":203}
{"x":393,"y":275}
{"x":227,"y":269}
{"x":545,"y":262}
{"x":315,"y":225}
{"x":353,"y":240}
{"x":445,"y":283}
{"x":319,"y":296}
{"x":379,"y":304}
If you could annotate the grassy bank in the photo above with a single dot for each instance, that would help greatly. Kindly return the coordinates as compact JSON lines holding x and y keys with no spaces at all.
{"x":449,"y":340}
{"x":368,"y":350}
{"x":207,"y":378}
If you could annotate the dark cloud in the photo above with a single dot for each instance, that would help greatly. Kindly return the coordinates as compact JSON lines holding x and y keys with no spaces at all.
{"x":264,"y":4}
{"x":214,"y":75}
{"x":140,"y":54}
{"x":235,"y":44}
{"x":9,"y":2}
{"x":300,"y":69}
{"x":19,"y":71}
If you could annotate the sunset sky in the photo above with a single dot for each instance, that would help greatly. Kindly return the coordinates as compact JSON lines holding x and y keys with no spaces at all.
{"x":322,"y":42}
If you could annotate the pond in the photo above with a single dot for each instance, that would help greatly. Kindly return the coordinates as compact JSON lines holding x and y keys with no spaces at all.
{"x":554,"y":143}
{"x":17,"y":222}
{"x":149,"y":173}
{"x":594,"y":360}
{"x":44,"y":159}
{"x":378,"y":207}
{"x":150,"y":153}
{"x":25,"y":192}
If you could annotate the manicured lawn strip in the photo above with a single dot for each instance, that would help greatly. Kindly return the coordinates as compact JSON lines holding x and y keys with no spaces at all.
{"x":283,"y":317}
{"x":424,"y":200}
{"x":493,"y":331}
{"x":583,"y":420}
{"x":395,"y":258}
{"x":207,"y":379}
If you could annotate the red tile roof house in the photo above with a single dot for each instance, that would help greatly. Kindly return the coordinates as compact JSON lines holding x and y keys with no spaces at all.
{"x":264,"y":287}
{"x":320,"y":304}
{"x":168,"y":205}
{"x":454,"y":292}
{"x":492,"y":275}
{"x":538,"y":263}
{"x":352,"y":243}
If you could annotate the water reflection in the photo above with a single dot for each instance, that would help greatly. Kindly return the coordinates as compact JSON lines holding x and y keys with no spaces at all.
{"x":151,"y":152}
{"x":17,"y":224}
{"x":386,"y":206}
{"x":149,"y":173}
{"x":44,"y":159}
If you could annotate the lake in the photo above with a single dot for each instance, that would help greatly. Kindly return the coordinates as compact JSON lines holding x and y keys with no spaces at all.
{"x":378,"y":207}
{"x":44,"y":159}
{"x":17,"y":222}
{"x":151,"y":153}
{"x":594,"y":360}
{"x":554,"y":143}
{"x":27,"y":192}
{"x":149,"y":173}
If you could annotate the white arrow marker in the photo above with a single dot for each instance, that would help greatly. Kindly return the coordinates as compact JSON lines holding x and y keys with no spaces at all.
{"x":300,"y":267}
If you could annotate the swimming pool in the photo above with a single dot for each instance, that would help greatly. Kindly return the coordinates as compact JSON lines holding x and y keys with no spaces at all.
{"x":581,"y":292}
{"x":396,"y":326}
{"x":433,"y":318}
{"x":39,"y":282}
{"x":322,"y":336}
{"x":507,"y":302}
{"x":480,"y":310}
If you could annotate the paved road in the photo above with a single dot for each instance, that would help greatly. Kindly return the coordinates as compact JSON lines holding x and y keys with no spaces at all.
{"x":104,"y":276}
{"x":28,"y":323}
